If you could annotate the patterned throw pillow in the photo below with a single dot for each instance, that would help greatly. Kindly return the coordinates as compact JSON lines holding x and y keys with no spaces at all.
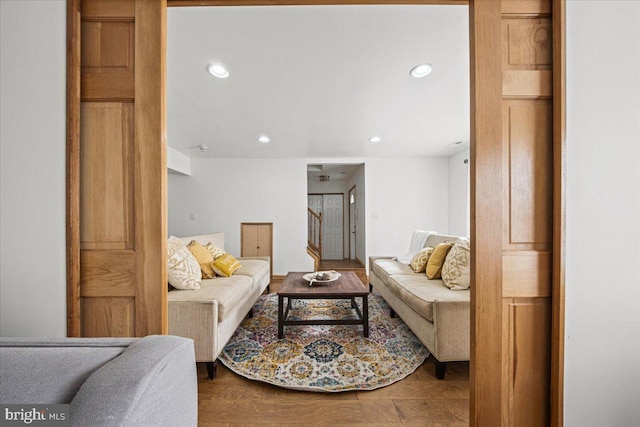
{"x":183,"y":269}
{"x":214,"y":250}
{"x":434,"y":264}
{"x":226,"y":265}
{"x":456,"y":273}
{"x":204,"y":258}
{"x":419,"y":261}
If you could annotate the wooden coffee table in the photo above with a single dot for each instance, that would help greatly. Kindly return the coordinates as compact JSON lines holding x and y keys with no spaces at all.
{"x":348,"y":286}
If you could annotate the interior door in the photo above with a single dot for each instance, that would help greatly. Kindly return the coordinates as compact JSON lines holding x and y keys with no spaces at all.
{"x":314,"y":202}
{"x":117,"y":281}
{"x":332,"y":226}
{"x":257,"y":240}
{"x":512,"y":177}
{"x":352,"y":222}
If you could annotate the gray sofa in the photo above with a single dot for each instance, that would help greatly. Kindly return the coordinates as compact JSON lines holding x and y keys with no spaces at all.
{"x":438,"y":316}
{"x":210,"y":315}
{"x":148,"y":381}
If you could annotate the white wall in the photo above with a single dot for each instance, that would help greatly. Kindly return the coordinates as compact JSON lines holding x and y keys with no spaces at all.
{"x":178,"y":162}
{"x":225,"y":192}
{"x":602,"y":365}
{"x":459,"y":194}
{"x":32,"y":141}
{"x":402,"y":194}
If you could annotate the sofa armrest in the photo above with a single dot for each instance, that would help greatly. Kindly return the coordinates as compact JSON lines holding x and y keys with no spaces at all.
{"x":452,"y":325}
{"x":153,"y":382}
{"x":375,"y":258}
{"x":199,"y":322}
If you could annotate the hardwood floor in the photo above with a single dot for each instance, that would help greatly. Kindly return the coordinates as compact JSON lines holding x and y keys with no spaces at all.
{"x":418,"y":400}
{"x":345,"y":265}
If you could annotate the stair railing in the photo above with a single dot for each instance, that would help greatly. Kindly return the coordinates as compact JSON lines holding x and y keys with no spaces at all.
{"x":314,"y":239}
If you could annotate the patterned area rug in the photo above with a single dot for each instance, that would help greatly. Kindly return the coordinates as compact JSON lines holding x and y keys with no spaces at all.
{"x":324,"y":358}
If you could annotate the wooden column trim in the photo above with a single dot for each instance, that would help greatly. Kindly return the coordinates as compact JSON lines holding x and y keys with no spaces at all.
{"x":486,"y":213}
{"x":151,"y":167}
{"x":559,"y":188}
{"x":73,"y":168}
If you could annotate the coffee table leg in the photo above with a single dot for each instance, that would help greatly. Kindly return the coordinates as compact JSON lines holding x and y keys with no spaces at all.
{"x":365,"y":316}
{"x":353,"y":302}
{"x":281,"y":316}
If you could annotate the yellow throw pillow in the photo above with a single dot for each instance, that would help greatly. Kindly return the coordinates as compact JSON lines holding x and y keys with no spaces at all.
{"x":419,"y":261}
{"x":215,"y":251}
{"x":434,"y":265}
{"x":226,"y":265}
{"x":204,"y":258}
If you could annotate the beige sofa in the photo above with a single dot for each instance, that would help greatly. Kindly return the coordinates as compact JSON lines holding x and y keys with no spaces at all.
{"x":211,"y":314}
{"x":438,"y":316}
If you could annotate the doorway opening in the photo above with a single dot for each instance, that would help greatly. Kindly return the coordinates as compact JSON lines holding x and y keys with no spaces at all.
{"x":335,"y":214}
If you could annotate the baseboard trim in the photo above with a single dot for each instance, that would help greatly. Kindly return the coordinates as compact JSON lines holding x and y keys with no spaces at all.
{"x":278,"y":278}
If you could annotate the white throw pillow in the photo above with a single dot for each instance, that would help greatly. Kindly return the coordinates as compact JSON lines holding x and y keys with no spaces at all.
{"x":456,"y":271}
{"x":183,"y":270}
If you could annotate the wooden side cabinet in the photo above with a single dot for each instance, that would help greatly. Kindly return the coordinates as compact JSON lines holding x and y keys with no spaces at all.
{"x":257,"y":240}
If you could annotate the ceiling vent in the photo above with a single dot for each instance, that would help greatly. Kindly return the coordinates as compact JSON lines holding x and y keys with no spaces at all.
{"x":324,"y":178}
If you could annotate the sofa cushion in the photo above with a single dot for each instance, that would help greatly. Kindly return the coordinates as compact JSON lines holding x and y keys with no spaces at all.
{"x":386,"y":267}
{"x":183,"y":270}
{"x":253,"y":268}
{"x":419,"y":293}
{"x":436,"y":260}
{"x":456,"y":273}
{"x":227,"y":291}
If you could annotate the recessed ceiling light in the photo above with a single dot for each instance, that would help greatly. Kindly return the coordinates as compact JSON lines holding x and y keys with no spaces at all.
{"x":375,"y":139}
{"x":217,"y":70}
{"x":421,"y":70}
{"x":264,"y":139}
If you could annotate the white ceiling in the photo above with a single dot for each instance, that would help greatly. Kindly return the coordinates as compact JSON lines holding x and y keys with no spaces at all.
{"x":318,"y":80}
{"x":336,"y":172}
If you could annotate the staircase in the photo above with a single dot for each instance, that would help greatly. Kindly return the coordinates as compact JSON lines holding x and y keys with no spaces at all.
{"x":314,"y":249}
{"x":314,"y":237}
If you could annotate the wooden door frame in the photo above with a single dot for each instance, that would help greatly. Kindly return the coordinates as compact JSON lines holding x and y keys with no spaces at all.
{"x":355,"y":235}
{"x":486,"y":134}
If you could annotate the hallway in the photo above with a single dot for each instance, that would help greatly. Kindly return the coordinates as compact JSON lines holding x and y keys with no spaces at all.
{"x":345,"y":265}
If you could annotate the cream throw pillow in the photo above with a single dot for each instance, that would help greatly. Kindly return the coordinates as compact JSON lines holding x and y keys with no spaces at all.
{"x":456,"y":271}
{"x":226,"y":265}
{"x":214,"y":250}
{"x":434,"y":265}
{"x":419,"y":261}
{"x":204,"y":258}
{"x":183,"y":268}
